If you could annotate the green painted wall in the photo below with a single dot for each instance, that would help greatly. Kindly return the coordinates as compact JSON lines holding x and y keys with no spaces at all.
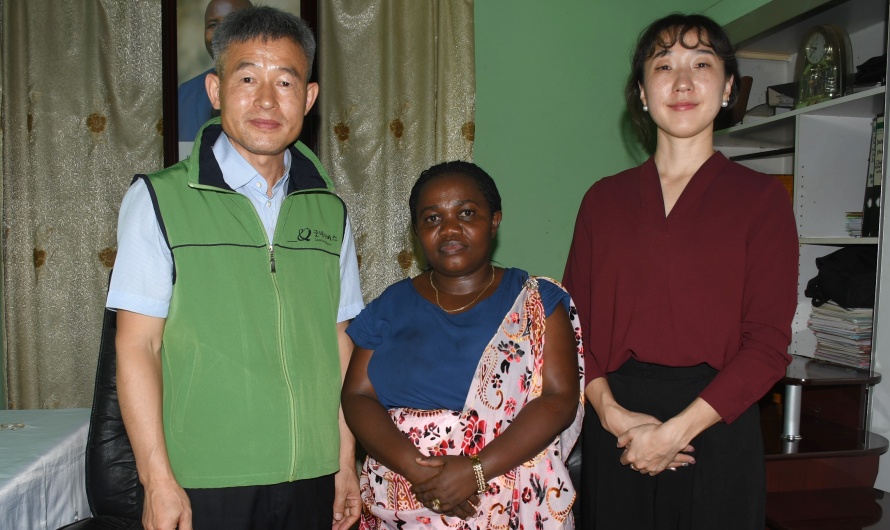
{"x":550,"y":115}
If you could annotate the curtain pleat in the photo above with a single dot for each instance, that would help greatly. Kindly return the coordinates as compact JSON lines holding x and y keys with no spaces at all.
{"x":397,"y":95}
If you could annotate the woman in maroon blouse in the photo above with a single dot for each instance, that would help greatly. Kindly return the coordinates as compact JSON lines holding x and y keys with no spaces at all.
{"x":684,"y":271}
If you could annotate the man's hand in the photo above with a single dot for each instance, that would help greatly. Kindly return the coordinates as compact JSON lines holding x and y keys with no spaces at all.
{"x":140,"y":392}
{"x":347,"y":498}
{"x":166,"y":507}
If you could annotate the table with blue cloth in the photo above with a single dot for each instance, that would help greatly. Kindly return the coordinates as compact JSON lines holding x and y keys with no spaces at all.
{"x":42,"y":468}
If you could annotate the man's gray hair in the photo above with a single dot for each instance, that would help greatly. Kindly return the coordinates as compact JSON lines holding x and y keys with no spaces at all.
{"x":264,"y":23}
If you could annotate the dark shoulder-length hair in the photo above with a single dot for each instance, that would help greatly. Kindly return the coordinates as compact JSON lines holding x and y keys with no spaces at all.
{"x":663,"y":34}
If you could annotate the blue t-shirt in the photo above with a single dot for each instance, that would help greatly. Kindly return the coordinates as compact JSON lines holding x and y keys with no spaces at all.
{"x":425,"y":358}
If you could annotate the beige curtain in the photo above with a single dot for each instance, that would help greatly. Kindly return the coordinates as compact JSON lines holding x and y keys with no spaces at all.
{"x":3,"y":398}
{"x":81,"y":111}
{"x":397,"y":95}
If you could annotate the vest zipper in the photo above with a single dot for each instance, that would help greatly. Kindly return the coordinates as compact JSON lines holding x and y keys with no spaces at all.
{"x":282,"y":355}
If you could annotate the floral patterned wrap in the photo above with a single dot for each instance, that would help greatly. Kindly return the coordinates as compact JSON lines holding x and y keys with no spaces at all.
{"x":537,"y":494}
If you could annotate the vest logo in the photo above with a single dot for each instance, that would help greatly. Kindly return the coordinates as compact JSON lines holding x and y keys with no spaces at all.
{"x":315,"y":235}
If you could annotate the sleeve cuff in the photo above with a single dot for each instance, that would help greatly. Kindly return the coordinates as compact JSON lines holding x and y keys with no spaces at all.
{"x":349,"y":312}
{"x":137,"y":304}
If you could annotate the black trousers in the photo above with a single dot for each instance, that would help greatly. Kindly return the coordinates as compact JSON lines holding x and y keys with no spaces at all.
{"x":303,"y":505}
{"x":724,"y":489}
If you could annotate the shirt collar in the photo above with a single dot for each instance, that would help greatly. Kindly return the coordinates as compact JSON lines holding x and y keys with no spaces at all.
{"x":236,"y":170}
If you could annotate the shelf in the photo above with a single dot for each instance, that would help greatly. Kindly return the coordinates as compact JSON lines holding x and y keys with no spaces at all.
{"x":777,"y":132}
{"x":820,"y":439}
{"x":825,"y":440}
{"x":838,"y":241}
{"x":865,"y":104}
{"x":778,"y":26}
{"x":828,"y":509}
{"x":758,"y":155}
{"x":805,"y":371}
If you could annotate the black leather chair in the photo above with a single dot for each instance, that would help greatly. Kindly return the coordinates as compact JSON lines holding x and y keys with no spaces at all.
{"x":113,"y":489}
{"x":574,"y":466}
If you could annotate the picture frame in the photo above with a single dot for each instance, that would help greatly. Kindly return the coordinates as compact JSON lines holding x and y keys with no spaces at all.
{"x":183,"y":58}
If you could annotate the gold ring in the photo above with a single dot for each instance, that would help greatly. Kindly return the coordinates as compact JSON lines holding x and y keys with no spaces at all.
{"x":436,"y":505}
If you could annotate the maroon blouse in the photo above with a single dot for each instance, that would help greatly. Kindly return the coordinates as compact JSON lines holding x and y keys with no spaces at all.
{"x":714,"y":282}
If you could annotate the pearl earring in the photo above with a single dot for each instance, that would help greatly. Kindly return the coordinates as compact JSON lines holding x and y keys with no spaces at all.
{"x":724,"y":104}
{"x":645,"y":108}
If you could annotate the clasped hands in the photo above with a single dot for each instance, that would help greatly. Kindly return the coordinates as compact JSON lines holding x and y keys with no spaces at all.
{"x":650,"y":446}
{"x":451,"y":490}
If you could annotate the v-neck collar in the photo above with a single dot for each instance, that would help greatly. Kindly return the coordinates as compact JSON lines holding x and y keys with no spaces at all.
{"x":650,"y":187}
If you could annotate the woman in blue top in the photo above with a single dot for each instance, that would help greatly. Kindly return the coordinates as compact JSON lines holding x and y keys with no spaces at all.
{"x":465,"y":383}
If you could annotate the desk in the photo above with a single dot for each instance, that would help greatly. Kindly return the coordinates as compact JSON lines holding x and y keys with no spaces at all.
{"x":42,"y":468}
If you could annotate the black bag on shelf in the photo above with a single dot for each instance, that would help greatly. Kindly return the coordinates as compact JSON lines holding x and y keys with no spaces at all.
{"x":872,"y":71}
{"x":846,"y":277}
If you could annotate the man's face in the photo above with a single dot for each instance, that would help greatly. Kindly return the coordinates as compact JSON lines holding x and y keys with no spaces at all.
{"x":263,"y":96}
{"x":214,"y":14}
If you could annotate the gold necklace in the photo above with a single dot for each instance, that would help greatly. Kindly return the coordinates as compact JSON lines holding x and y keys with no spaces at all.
{"x":461,"y":308}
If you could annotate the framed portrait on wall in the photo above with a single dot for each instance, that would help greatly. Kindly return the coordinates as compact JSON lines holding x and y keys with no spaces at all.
{"x":187,"y":26}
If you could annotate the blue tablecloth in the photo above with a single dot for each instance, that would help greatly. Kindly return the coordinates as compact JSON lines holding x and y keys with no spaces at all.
{"x":42,"y":468}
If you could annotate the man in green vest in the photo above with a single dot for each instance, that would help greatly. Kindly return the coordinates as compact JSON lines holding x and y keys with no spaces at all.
{"x":235,"y":279}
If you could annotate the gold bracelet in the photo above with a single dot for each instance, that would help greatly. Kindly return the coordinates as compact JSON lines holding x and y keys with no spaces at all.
{"x":481,"y":484}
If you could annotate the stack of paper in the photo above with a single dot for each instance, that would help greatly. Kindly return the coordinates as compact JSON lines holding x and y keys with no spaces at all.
{"x":843,"y":336}
{"x":854,"y":224}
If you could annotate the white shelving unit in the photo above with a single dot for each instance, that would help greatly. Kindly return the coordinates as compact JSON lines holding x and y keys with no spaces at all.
{"x":825,"y":146}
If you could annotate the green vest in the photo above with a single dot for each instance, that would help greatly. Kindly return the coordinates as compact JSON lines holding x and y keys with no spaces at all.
{"x":250,"y":362}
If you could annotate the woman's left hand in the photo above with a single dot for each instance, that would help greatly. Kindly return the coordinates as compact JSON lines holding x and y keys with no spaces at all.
{"x":651,"y":448}
{"x":454,"y":487}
